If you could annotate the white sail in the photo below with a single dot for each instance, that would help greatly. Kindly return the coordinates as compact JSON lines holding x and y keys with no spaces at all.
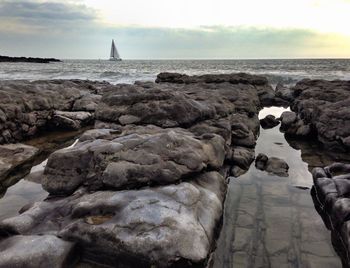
{"x":114,"y":52}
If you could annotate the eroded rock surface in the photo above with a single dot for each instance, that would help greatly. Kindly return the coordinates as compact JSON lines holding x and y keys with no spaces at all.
{"x":15,"y":157}
{"x":331,"y":197}
{"x":147,"y":185}
{"x":34,"y":251}
{"x":159,"y":225}
{"x":294,"y":126}
{"x":272,"y":165}
{"x":132,"y":160}
{"x":323,"y":106}
{"x":269,"y":121}
{"x":27,"y":108}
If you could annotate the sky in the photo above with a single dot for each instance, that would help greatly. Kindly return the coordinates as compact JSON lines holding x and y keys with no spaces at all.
{"x":176,"y":29}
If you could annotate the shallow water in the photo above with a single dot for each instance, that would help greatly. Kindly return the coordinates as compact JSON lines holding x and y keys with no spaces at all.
{"x":29,"y":190}
{"x":268,"y":222}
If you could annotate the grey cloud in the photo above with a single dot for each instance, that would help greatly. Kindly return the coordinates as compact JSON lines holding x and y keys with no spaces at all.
{"x":32,"y":11}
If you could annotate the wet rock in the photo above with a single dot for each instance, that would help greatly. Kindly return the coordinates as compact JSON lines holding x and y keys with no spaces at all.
{"x":269,"y":121}
{"x":238,"y":78}
{"x":15,"y":160}
{"x":243,"y":157}
{"x":323,"y":105}
{"x":132,"y":160}
{"x":35,"y":251}
{"x":71,"y":120}
{"x":284,"y":93}
{"x":242,"y":135}
{"x":160,"y":225}
{"x":146,"y":186}
{"x":164,"y":108}
{"x":331,"y":197}
{"x":28,"y":108}
{"x":104,"y":133}
{"x":87,"y":102}
{"x":272,"y":165}
{"x":292,"y":125}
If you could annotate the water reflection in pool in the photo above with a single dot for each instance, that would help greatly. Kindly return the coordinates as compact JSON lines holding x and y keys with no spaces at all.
{"x":26,"y":191}
{"x":268,"y":222}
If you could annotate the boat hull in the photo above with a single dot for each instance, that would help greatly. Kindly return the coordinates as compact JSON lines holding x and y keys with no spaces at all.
{"x":112,"y":59}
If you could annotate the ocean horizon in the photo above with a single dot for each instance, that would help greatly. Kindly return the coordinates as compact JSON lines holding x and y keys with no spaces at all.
{"x":285,"y":71}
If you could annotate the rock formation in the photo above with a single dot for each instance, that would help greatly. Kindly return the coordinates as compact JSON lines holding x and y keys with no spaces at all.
{"x":269,"y":121}
{"x":28,"y":108}
{"x":331,"y":197}
{"x":25,"y":59}
{"x":272,"y":165}
{"x":147,"y":185}
{"x":15,"y":162}
{"x":322,"y":109}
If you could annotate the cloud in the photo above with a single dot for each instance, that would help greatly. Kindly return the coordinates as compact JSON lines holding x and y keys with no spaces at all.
{"x":70,"y":30}
{"x":39,"y":12}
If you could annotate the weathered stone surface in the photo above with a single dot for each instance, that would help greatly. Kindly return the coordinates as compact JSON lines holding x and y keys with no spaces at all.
{"x":35,"y":251}
{"x":323,"y":105}
{"x":292,"y":125}
{"x":26,"y":108}
{"x":160,"y":225}
{"x":269,"y":121}
{"x":71,"y":120}
{"x":132,"y":160}
{"x":243,"y":157}
{"x":15,"y":157}
{"x":331,"y":197}
{"x":144,"y":187}
{"x":284,"y":93}
{"x":161,"y":106}
{"x":272,"y":165}
{"x":265,"y":92}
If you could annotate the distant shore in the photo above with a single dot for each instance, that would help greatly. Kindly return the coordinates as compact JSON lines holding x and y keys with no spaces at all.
{"x":29,"y":59}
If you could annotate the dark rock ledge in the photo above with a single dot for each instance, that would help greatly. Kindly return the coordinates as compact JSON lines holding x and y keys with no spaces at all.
{"x":320,"y":110}
{"x":331,"y":194}
{"x":147,"y":185}
{"x":25,"y":59}
{"x":30,"y":108}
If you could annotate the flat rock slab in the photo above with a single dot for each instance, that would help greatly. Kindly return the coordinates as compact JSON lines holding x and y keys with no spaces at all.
{"x":71,"y":120}
{"x":13,"y":156}
{"x":34,"y":251}
{"x":160,"y":225}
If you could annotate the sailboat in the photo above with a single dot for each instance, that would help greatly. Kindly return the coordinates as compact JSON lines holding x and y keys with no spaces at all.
{"x":114,"y":53}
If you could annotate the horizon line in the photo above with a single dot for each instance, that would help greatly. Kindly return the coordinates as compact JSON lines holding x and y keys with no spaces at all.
{"x":160,"y":59}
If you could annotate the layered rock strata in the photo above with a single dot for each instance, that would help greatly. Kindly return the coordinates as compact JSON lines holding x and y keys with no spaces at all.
{"x":28,"y":108}
{"x":322,"y":111}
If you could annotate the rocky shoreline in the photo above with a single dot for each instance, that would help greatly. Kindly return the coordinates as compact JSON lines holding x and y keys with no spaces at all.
{"x":146,"y":186}
{"x":25,"y":59}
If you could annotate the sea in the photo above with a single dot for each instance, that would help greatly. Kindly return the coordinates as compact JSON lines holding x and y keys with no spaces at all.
{"x":286,"y":71}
